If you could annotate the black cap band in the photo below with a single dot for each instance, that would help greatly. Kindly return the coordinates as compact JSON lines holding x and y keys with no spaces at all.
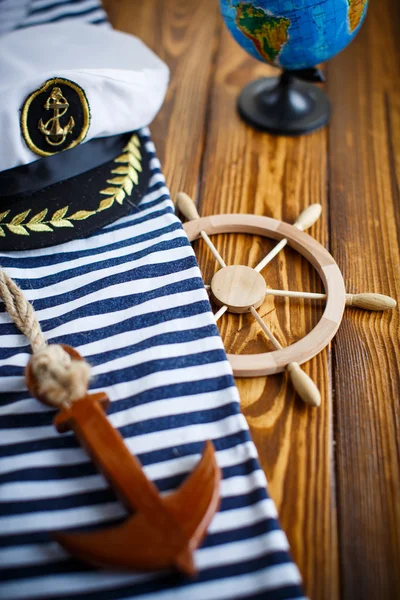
{"x":45,"y":172}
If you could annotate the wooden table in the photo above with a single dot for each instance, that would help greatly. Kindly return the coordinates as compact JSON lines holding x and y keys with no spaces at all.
{"x":334,"y":472}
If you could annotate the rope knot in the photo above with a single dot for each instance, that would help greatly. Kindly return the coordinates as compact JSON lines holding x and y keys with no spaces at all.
{"x":58,"y":377}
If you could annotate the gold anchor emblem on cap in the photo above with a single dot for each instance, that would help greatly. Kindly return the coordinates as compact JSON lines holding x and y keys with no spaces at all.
{"x":56,"y":135}
{"x":47,"y":136}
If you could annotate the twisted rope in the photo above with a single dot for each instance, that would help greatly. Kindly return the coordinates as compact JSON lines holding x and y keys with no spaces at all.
{"x":60,"y":379}
{"x":21,"y":311}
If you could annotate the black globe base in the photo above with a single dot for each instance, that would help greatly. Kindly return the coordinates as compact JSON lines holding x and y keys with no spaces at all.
{"x":284,"y":106}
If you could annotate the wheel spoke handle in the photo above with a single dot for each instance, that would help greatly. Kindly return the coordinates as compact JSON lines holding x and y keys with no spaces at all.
{"x":267,"y":259}
{"x":302,"y":383}
{"x":188,"y":208}
{"x":265,"y":329}
{"x":370,"y":301}
{"x":220,"y":312}
{"x":367,"y":301}
{"x":304,"y":221}
{"x":290,"y":294}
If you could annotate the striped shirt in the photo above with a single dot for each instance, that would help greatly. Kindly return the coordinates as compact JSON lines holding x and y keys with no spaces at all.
{"x":131,"y":300}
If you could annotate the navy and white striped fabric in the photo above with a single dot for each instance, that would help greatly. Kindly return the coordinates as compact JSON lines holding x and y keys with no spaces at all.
{"x":131,"y":300}
{"x":53,"y":11}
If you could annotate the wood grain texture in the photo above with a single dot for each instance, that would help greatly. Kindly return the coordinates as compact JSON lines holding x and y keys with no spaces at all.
{"x":364,"y":209}
{"x":184,"y":34}
{"x":246,"y":171}
{"x":353,"y":170}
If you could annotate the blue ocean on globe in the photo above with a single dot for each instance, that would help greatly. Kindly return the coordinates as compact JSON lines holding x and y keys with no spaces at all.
{"x":293,"y":34}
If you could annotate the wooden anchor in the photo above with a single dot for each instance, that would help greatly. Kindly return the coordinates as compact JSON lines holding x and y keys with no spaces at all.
{"x":164,"y":531}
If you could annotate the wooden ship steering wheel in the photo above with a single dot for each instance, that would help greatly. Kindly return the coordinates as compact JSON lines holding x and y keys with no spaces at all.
{"x":241,"y":289}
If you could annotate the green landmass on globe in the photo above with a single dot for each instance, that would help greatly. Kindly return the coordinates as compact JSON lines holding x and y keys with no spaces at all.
{"x":267,"y":32}
{"x":356,"y":12}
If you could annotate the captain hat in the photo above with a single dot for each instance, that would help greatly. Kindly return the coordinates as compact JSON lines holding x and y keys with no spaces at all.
{"x":73,"y":99}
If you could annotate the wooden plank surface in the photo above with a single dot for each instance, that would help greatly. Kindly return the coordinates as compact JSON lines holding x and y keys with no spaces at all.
{"x":246,"y":171}
{"x":333,"y":472}
{"x":185,"y":35}
{"x":364,"y":138}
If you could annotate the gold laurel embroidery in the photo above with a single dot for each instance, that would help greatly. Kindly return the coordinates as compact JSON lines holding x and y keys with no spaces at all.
{"x":128,"y":175}
{"x":122,"y":186}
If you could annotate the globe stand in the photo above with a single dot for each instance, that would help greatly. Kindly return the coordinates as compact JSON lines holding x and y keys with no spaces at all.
{"x":284,"y":105}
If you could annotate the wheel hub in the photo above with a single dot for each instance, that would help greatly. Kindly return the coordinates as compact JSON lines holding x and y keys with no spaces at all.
{"x":239,"y":288}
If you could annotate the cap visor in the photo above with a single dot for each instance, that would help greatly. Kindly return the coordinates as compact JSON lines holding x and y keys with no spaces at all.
{"x":76,"y":206}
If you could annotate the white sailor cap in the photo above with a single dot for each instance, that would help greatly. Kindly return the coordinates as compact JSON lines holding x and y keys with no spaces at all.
{"x":72,"y":101}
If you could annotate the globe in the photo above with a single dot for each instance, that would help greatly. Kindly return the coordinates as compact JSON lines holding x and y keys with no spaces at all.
{"x":294,"y":35}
